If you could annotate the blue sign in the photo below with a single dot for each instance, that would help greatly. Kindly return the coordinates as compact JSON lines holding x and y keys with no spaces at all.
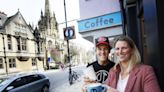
{"x":104,"y":21}
{"x":69,"y":33}
{"x":49,"y":59}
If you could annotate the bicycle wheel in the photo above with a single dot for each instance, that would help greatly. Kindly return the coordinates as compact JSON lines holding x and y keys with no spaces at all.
{"x":75,"y":76}
{"x":70,"y":79}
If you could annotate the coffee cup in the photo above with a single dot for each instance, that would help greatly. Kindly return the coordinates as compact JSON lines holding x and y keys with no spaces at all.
{"x":96,"y":87}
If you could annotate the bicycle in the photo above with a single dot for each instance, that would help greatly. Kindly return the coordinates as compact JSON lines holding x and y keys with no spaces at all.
{"x":75,"y":75}
{"x":72,"y":76}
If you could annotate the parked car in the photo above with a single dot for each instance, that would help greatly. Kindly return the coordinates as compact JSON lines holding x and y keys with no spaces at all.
{"x":35,"y":82}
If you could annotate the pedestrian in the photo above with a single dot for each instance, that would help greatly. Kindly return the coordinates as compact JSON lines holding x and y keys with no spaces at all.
{"x":62,"y":66}
{"x":128,"y":74}
{"x":112,"y":56}
{"x":102,"y":64}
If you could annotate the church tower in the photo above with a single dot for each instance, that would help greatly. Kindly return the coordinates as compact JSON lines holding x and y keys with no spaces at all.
{"x":48,"y":32}
{"x":47,"y":23}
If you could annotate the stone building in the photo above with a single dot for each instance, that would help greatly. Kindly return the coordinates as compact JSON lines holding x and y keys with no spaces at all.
{"x":18,"y":45}
{"x":24,"y":48}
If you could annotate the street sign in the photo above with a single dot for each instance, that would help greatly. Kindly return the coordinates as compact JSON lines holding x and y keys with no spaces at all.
{"x":69,"y":33}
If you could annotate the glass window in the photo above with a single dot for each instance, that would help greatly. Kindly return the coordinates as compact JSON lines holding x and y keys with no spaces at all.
{"x":40,"y":47}
{"x":33,"y":62}
{"x":9,"y":42}
{"x":18,"y":43}
{"x":1,"y":63}
{"x":19,"y":82}
{"x":24,"y":44}
{"x":33,"y":78}
{"x":21,"y":44}
{"x":12,"y":63}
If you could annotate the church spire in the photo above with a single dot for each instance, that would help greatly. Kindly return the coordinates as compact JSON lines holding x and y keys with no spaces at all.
{"x":47,"y":8}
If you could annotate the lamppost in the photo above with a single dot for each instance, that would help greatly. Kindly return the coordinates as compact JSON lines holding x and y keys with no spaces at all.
{"x":70,"y":70}
{"x":36,"y":53}
{"x":4,"y":48}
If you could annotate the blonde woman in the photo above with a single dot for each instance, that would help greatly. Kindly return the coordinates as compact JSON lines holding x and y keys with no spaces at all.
{"x":129,"y":75}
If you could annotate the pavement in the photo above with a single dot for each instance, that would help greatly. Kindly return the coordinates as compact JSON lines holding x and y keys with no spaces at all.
{"x":75,"y":87}
{"x":66,"y":87}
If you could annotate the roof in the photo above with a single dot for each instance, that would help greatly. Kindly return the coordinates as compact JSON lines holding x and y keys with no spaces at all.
{"x":9,"y":19}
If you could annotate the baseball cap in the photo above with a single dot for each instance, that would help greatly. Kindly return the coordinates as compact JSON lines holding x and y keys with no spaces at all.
{"x":102,"y":40}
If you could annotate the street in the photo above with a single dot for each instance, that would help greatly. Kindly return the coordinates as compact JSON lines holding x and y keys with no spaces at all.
{"x":59,"y":79}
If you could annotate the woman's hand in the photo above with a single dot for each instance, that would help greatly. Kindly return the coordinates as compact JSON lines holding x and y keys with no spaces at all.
{"x":109,"y":89}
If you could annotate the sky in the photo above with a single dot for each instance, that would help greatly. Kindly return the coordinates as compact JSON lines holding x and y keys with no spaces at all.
{"x":31,"y":9}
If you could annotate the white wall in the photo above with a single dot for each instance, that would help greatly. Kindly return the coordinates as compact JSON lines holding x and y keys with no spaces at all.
{"x":93,"y":8}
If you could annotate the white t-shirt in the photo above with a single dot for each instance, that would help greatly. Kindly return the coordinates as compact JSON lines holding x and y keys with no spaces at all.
{"x":121,"y":85}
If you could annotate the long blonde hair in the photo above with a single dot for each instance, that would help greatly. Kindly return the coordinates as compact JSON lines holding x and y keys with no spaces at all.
{"x":135,"y":57}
